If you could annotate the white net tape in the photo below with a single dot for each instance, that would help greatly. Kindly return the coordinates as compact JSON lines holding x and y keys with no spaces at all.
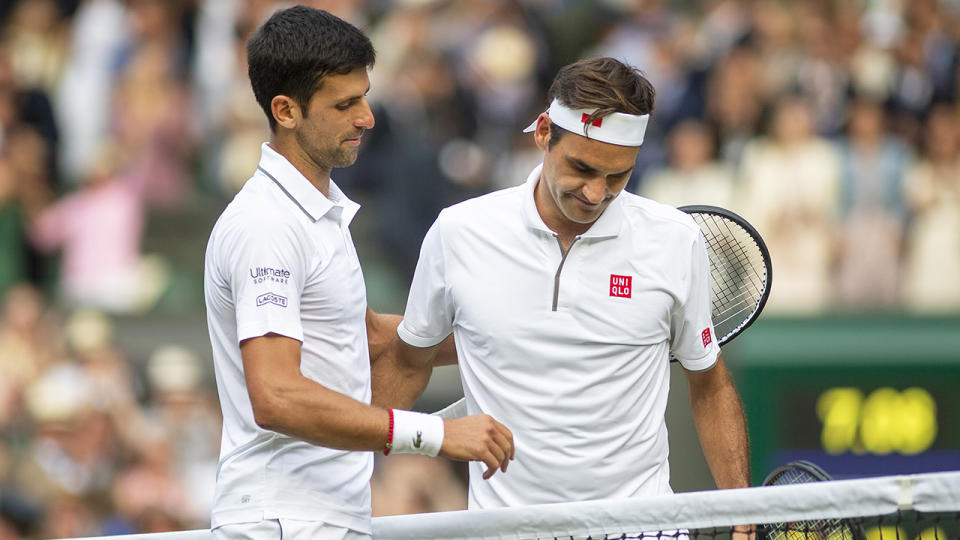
{"x":930,"y":492}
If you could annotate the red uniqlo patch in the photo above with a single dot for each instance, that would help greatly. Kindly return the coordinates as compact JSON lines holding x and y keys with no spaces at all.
{"x":705,"y":335}
{"x":596,"y":123}
{"x":620,"y":285}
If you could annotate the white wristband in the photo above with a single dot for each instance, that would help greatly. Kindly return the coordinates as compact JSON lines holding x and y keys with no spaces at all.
{"x":416,"y":433}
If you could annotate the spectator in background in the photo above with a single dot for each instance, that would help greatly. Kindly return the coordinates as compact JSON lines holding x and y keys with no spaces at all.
{"x":28,"y":346}
{"x":98,"y":32}
{"x":693,"y":175}
{"x":186,"y":409}
{"x":872,"y":211}
{"x":38,"y":38}
{"x":150,"y":109}
{"x":73,"y":452}
{"x":791,"y":186}
{"x":99,"y":227}
{"x":735,"y":102}
{"x":932,"y":265}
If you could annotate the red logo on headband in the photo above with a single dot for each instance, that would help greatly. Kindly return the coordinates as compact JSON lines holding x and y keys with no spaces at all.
{"x":595,"y":123}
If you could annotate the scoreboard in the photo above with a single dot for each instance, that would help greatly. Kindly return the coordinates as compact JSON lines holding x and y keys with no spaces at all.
{"x":859,"y":396}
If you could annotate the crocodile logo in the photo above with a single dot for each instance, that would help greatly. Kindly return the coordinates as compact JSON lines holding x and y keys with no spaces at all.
{"x":419,"y":440}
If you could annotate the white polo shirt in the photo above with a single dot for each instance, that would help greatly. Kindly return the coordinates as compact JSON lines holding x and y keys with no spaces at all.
{"x":571,"y":353}
{"x":281,"y":259}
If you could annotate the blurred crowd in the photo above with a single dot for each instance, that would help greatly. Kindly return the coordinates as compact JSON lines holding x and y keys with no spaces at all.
{"x":834,"y":127}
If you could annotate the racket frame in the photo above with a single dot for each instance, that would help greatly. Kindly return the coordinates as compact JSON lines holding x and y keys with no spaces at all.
{"x":764,"y":252}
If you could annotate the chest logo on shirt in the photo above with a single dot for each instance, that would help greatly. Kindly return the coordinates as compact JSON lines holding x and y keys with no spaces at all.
{"x":706,"y":337}
{"x":271,"y":298}
{"x":620,"y":286}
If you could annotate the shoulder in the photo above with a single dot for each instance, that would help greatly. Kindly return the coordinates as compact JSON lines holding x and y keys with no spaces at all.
{"x":652,"y":215}
{"x":483,"y":211}
{"x":257,"y":215}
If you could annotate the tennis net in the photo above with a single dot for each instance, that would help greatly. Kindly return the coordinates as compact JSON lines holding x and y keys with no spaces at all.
{"x":909,"y":507}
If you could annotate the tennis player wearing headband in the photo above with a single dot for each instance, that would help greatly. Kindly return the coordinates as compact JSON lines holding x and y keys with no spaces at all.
{"x":566,"y":296}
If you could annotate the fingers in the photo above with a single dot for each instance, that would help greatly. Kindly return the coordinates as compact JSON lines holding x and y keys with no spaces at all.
{"x":479,"y":438}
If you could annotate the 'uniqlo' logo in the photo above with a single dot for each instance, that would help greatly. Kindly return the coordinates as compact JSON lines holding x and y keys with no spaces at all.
{"x":705,"y":335}
{"x":620,"y":285}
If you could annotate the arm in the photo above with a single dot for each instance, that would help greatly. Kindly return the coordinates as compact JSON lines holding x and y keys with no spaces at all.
{"x":285,"y":401}
{"x":400,"y":376}
{"x":381,"y":330}
{"x":721,"y":427}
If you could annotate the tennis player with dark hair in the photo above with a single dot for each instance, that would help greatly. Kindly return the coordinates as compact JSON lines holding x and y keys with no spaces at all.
{"x":292,"y":336}
{"x":566,"y":297}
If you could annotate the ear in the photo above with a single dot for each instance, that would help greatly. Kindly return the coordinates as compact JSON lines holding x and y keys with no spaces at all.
{"x":285,"y":111}
{"x":542,"y":133}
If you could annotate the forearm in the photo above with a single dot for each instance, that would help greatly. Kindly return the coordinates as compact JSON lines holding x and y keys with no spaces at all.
{"x":400,"y":375}
{"x":310,"y":411}
{"x":721,"y":427}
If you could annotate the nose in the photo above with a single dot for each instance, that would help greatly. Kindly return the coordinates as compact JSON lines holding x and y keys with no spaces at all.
{"x":365,"y":120}
{"x":594,"y":190}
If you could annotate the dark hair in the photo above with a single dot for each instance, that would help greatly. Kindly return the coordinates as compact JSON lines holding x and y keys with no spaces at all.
{"x":296,"y":48}
{"x":604,"y":84}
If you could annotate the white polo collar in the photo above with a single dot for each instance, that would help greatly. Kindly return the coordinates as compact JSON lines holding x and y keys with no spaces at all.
{"x":304,"y":194}
{"x":608,"y":225}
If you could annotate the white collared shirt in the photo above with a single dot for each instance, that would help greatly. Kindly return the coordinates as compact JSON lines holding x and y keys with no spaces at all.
{"x":281,"y":259}
{"x":569,"y":352}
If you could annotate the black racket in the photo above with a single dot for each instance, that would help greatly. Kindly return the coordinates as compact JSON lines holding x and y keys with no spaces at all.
{"x":802,"y":472}
{"x":740,"y":269}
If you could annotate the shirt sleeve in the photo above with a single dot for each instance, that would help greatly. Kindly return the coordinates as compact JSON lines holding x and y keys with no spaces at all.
{"x":693,"y":341}
{"x":428,"y":318}
{"x":266,"y":274}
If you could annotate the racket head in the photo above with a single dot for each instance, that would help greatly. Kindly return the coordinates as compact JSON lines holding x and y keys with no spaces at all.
{"x":740,"y":269}
{"x":802,"y":472}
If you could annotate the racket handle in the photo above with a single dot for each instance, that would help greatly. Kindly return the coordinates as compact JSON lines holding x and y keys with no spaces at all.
{"x":456,"y":409}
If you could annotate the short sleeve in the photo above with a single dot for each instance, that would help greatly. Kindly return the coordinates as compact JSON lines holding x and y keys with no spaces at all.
{"x":693,"y":341}
{"x":428,"y":318}
{"x":266,"y":274}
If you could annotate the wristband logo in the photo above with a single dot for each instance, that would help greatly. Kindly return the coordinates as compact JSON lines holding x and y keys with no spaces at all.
{"x":271,"y":298}
{"x":418,"y":440}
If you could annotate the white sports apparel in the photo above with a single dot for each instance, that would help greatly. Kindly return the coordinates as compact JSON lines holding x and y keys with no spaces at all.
{"x":571,"y":353}
{"x":285,"y":529}
{"x":281,"y":259}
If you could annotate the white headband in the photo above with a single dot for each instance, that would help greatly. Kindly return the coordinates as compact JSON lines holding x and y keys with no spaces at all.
{"x":617,"y":128}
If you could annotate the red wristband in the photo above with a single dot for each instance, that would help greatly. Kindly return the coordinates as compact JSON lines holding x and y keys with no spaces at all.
{"x":389,"y":446}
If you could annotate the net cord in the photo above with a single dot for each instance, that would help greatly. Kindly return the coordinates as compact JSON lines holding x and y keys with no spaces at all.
{"x":928,"y":492}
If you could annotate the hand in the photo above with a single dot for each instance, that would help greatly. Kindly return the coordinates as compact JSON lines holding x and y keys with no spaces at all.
{"x":744,"y":532}
{"x":478,"y":438}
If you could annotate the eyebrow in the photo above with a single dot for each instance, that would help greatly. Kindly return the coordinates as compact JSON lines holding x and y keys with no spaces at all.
{"x":353,"y":97}
{"x":580,"y":164}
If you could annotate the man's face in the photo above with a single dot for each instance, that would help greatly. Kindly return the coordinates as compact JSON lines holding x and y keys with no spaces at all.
{"x":580,"y":176}
{"x":333,"y":123}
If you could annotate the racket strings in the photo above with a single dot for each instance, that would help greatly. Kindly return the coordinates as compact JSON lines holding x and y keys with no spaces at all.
{"x":737,"y":271}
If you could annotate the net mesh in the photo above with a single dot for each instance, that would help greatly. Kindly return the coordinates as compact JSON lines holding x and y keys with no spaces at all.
{"x":737,"y":270}
{"x":913,"y":507}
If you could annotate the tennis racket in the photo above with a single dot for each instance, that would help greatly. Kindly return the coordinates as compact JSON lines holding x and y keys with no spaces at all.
{"x":740,"y":269}
{"x":802,"y":472}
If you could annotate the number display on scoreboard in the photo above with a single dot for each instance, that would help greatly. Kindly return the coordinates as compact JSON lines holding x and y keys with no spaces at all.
{"x":858,"y":396}
{"x":885,"y":420}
